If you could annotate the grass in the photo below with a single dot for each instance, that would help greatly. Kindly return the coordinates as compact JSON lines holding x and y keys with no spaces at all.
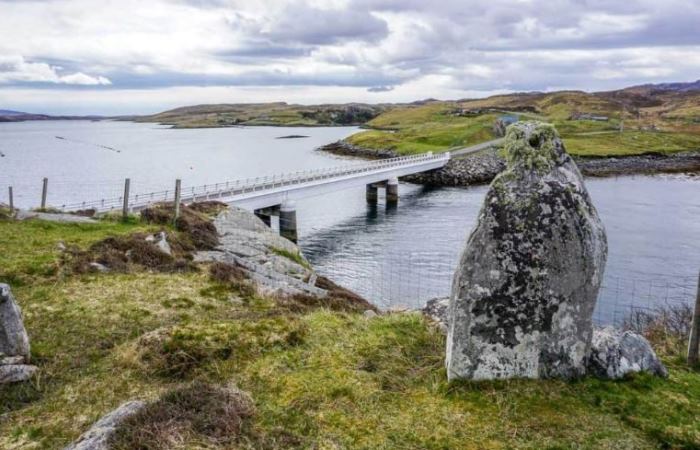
{"x":319,"y":378}
{"x":415,"y":130}
{"x":631,"y":143}
{"x":432,"y":127}
{"x":293,"y":256}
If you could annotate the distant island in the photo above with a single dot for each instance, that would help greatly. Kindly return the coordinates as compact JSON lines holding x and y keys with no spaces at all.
{"x":7,"y":115}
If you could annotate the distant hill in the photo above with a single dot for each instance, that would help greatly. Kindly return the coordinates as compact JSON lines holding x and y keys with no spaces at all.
{"x":271,"y":114}
{"x":7,"y":112}
{"x":7,"y":115}
{"x":678,"y":87}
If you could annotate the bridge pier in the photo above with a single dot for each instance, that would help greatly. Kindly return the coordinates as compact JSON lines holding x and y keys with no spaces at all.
{"x":392,"y":191}
{"x":371,"y":193}
{"x":288,"y":221}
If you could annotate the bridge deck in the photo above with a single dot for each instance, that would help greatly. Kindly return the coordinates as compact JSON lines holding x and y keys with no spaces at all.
{"x":272,"y":190}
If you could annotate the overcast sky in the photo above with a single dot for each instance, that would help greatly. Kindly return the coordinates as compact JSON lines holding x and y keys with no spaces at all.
{"x":142,"y":56}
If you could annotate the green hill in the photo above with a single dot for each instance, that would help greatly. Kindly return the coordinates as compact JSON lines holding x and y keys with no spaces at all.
{"x":624,"y":122}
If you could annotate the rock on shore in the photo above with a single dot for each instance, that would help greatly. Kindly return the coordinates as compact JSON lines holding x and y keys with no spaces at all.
{"x":482,"y":167}
{"x":274,"y":263}
{"x":526,"y":286}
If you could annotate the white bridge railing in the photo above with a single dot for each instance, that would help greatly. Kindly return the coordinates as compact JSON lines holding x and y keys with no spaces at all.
{"x":230,"y":189}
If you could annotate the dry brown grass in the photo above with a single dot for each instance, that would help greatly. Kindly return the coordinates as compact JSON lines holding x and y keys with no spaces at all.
{"x":132,"y":252}
{"x":194,"y":221}
{"x":211,"y":414}
{"x":667,"y":328}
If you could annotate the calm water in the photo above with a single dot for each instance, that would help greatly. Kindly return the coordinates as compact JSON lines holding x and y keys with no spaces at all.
{"x":399,"y":256}
{"x":80,"y":167}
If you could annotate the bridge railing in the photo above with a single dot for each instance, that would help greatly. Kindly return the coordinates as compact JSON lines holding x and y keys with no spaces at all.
{"x":233,"y":188}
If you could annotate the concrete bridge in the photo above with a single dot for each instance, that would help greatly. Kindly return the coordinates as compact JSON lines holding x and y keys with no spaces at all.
{"x":276,"y":195}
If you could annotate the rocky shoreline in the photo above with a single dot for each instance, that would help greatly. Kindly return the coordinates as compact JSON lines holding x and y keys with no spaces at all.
{"x":482,"y":167}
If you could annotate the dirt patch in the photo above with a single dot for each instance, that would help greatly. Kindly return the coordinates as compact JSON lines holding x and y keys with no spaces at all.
{"x":194,"y":221}
{"x":198,"y":412}
{"x":210,"y":208}
{"x":338,"y":299}
{"x":232,"y":278}
{"x":128,"y":253}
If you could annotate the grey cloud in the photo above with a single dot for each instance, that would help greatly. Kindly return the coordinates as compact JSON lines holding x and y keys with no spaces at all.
{"x":309,"y":25}
{"x":380,"y":89}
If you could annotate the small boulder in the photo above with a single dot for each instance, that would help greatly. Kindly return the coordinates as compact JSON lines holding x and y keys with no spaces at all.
{"x":615,"y":353}
{"x":97,"y":267}
{"x":16,"y":373}
{"x":162,"y":243}
{"x":526,"y":286}
{"x":436,"y":309}
{"x":13,"y":337}
{"x":98,"y":436}
{"x":369,"y":314}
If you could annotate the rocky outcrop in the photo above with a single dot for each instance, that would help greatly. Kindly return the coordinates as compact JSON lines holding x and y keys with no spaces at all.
{"x":615,"y":353}
{"x":99,"y":435}
{"x":526,"y":286}
{"x":646,"y":164}
{"x":274,"y":263}
{"x":483,"y":167}
{"x":14,"y":342}
{"x":477,"y":168}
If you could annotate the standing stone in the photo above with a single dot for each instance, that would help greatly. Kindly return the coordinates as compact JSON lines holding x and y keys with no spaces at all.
{"x":524,"y":292}
{"x":13,"y":337}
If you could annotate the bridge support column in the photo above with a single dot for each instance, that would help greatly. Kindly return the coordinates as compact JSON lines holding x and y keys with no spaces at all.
{"x":288,"y":221}
{"x":371,"y":193}
{"x":392,"y":191}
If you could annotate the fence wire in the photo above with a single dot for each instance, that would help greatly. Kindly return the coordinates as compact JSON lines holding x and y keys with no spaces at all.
{"x":409,"y":279}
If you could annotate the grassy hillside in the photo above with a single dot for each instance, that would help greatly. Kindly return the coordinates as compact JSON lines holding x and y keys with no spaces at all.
{"x":651,"y":122}
{"x":319,"y":377}
{"x":272,"y":114}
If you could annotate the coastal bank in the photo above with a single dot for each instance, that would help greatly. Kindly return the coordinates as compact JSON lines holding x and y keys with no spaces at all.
{"x":481,"y":167}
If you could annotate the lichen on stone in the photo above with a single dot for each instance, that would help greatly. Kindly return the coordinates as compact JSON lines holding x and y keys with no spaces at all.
{"x":532,"y":145}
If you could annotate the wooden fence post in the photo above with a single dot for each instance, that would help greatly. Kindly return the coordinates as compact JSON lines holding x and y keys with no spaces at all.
{"x":12,"y":200}
{"x":694,"y":341}
{"x":178,"y":185}
{"x":125,"y":207}
{"x":44,"y":192}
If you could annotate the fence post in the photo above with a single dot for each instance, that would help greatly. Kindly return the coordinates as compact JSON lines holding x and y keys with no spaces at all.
{"x":12,"y":201}
{"x":177,"y":198}
{"x":44,"y":191}
{"x":125,"y":207}
{"x":694,"y":341}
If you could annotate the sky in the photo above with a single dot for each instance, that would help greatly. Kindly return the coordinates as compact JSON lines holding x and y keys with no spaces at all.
{"x":138,"y":56}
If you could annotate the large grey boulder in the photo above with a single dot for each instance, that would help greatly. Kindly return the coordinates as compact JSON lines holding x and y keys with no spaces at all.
{"x":98,"y":436}
{"x":524,"y":292}
{"x":13,"y":337}
{"x":615,"y":353}
{"x":275,"y":264}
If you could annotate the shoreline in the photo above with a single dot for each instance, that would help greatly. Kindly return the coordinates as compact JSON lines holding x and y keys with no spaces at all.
{"x":483,"y":166}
